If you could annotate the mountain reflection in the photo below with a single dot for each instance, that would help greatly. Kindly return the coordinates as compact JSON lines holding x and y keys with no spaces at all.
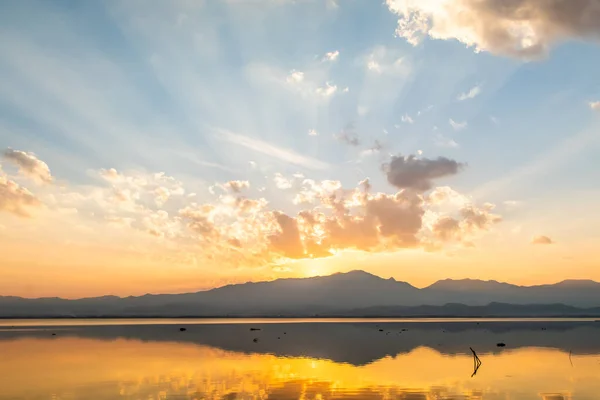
{"x":86,"y":363}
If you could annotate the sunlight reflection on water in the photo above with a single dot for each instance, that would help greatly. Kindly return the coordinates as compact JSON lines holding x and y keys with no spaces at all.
{"x":300,"y":361}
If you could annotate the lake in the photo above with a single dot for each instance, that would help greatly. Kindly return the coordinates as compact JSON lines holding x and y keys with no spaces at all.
{"x":300,"y":359}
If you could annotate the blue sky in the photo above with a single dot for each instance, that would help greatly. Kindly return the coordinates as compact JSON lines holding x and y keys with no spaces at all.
{"x":214,"y":91}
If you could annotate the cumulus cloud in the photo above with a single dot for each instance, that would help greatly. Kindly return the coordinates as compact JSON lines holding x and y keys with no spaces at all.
{"x":471,"y":94}
{"x":281,"y":181}
{"x":541,"y":240}
{"x":295,"y":77}
{"x":415,"y":173}
{"x":331,"y":56}
{"x":233,"y":229}
{"x":312,"y":132}
{"x":595,"y":105}
{"x":29,"y":165}
{"x":237,"y":186}
{"x":517,"y":28}
{"x":457,"y":126}
{"x":16,"y":199}
{"x":327,"y":91}
{"x":463,"y":227}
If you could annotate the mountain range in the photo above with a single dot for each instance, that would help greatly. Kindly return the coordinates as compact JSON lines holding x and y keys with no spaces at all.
{"x":355,"y":293}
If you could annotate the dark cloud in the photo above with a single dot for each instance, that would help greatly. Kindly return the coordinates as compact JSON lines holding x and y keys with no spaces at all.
{"x":415,"y":173}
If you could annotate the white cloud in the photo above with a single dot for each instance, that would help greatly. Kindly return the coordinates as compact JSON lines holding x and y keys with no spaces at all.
{"x":385,"y":61}
{"x":331,"y":56}
{"x":595,"y":105}
{"x":407,"y":119}
{"x":29,"y":165}
{"x":327,"y":91}
{"x":295,"y":77}
{"x":471,"y":94}
{"x":16,"y":199}
{"x":312,"y":132}
{"x":271,"y":150}
{"x":521,"y":28}
{"x":281,"y":181}
{"x":457,"y":126}
{"x":442,"y":141}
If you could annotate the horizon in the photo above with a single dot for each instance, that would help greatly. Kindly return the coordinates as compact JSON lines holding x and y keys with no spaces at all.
{"x":311,"y":277}
{"x":186,"y":145}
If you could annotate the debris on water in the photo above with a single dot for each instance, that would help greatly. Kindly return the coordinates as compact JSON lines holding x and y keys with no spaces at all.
{"x":500,"y":344}
{"x":255,"y":329}
{"x":476,"y":362}
{"x":381,"y":330}
{"x":255,"y":340}
{"x":54,"y":334}
{"x":182,"y":329}
{"x":285,"y":333}
{"x":404,"y":330}
{"x":278,"y":337}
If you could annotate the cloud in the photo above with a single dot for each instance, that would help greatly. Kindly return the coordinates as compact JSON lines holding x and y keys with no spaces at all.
{"x":348,"y":135}
{"x":271,"y":150}
{"x":295,"y":77}
{"x":457,"y":126}
{"x":312,"y":132}
{"x":385,"y":61}
{"x":595,"y":105}
{"x":407,"y":119}
{"x":29,"y":165}
{"x":541,"y":240}
{"x":517,"y":28}
{"x":327,"y":91}
{"x":331,"y":56}
{"x":468,"y":224}
{"x":411,"y":172}
{"x":282,"y":182}
{"x":237,"y":186}
{"x":16,"y":199}
{"x":471,"y":94}
{"x":442,"y":141}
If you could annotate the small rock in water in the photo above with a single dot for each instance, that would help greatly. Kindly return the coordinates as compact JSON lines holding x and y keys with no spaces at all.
{"x":255,"y":329}
{"x":278,"y":337}
{"x":182,"y":329}
{"x":381,"y":330}
{"x":501,"y":344}
{"x":285,"y":333}
{"x":54,"y":334}
{"x":255,"y":340}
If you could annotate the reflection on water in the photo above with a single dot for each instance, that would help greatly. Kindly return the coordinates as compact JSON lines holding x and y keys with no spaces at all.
{"x":165,"y":363}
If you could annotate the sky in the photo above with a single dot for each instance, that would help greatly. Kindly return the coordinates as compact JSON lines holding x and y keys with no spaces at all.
{"x":174,"y":146}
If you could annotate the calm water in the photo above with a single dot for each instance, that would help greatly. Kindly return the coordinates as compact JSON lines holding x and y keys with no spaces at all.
{"x":550,"y":360}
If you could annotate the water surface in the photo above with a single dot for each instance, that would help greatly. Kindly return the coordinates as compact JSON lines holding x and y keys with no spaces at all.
{"x":549,"y":360}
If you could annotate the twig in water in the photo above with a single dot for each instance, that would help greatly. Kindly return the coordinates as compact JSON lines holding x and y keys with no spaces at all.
{"x":571,"y":361}
{"x":476,"y":362}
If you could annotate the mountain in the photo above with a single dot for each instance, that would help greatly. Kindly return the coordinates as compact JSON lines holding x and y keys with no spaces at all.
{"x":354,"y":293}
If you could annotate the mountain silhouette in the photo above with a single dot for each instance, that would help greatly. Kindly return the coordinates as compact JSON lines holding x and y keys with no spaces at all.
{"x":355,"y":293}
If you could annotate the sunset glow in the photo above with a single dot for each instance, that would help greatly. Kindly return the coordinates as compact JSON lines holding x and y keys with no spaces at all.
{"x":186,"y":145}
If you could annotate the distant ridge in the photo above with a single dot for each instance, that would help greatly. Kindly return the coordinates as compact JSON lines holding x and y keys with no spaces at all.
{"x":354,"y":293}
